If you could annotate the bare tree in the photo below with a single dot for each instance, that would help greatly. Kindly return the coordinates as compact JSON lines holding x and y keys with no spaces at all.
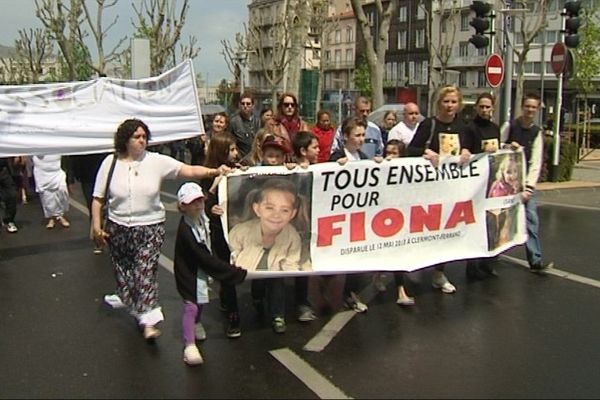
{"x":159,"y":22}
{"x":323,"y":25}
{"x":270,"y":46}
{"x":32,"y":48}
{"x":527,"y":25}
{"x":63,"y":25}
{"x":442,"y":39}
{"x":234,"y":54}
{"x":13,"y":71}
{"x":375,"y":49}
{"x":99,"y":34}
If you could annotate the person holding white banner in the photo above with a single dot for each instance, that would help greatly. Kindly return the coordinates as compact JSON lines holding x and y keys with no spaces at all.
{"x":485,"y":137}
{"x":353,"y":133}
{"x":136,"y":217}
{"x":437,"y":138}
{"x":523,"y":133}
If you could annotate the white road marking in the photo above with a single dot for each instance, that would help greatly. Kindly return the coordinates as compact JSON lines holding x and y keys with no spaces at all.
{"x":308,"y":375}
{"x":556,"y":272}
{"x":338,"y":321}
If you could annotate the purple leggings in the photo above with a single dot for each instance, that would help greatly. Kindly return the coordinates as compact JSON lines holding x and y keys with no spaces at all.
{"x":189,"y":319}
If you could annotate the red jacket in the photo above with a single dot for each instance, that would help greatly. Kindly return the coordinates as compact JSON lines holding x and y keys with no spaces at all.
{"x":325,"y":139}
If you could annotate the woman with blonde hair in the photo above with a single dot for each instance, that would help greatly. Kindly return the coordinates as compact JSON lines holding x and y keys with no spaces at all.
{"x":434,"y":134}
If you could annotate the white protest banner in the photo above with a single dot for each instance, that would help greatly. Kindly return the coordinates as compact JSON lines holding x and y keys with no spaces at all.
{"x":82,"y":117}
{"x":401,"y":214}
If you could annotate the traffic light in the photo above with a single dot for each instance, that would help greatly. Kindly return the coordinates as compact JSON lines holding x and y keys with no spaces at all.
{"x":481,"y":23}
{"x":572,"y":23}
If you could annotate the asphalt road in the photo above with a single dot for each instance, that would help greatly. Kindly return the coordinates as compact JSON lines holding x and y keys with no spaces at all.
{"x":516,"y":336}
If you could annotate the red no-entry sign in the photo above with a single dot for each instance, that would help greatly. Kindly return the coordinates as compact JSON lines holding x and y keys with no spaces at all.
{"x":494,"y":70}
{"x":558,"y":58}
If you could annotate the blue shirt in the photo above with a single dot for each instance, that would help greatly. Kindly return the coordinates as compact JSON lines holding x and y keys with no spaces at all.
{"x":373,"y":142}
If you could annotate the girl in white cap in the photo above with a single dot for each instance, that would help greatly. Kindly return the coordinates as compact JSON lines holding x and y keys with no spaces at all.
{"x":194,"y":262}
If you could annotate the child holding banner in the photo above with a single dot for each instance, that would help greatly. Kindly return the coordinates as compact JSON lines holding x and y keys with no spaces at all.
{"x":221,"y":150}
{"x":192,"y":265}
{"x":353,"y":131}
{"x":268,"y":241}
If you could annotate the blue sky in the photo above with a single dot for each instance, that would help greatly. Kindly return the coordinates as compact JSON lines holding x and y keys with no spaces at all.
{"x":209,"y":20}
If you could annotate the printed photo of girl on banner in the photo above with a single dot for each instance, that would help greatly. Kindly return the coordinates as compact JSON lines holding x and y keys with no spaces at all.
{"x":268,"y":219}
{"x":506,"y":174}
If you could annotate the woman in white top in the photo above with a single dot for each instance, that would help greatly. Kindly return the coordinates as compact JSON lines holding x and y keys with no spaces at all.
{"x":135,"y":227}
{"x":51,"y":184}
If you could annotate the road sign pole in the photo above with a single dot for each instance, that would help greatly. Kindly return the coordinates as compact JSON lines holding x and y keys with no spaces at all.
{"x":559,"y":89}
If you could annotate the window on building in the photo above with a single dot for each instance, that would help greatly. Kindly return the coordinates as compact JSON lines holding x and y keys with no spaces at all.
{"x":420,"y":38}
{"x":349,"y":35}
{"x":481,"y":80}
{"x":518,"y":38}
{"x":349,"y":56}
{"x":425,"y":72}
{"x":463,"y":49}
{"x":338,"y":56}
{"x":421,"y":11}
{"x":402,"y":35}
{"x":338,"y":36}
{"x":371,"y":18}
{"x":403,"y":14}
{"x":328,"y":55}
{"x":388,"y":71}
{"x":462,"y":79}
{"x":418,"y":72}
{"x":551,"y":36}
{"x":402,"y":72}
{"x":395,"y":71}
{"x":464,"y":21}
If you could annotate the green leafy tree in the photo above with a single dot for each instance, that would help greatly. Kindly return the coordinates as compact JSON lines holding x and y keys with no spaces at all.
{"x":587,"y":54}
{"x":362,"y":78}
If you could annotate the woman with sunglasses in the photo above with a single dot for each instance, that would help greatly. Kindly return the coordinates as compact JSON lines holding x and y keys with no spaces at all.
{"x":288,"y":115}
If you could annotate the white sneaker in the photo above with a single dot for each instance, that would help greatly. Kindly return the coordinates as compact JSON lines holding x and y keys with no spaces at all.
{"x":200,"y":332}
{"x":114,"y":301}
{"x":306,"y":314}
{"x":11,"y":227}
{"x":353,"y":302}
{"x":191,"y":355}
{"x":440,"y":281}
{"x":378,"y":282}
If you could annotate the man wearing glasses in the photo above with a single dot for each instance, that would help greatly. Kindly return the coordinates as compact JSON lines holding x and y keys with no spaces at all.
{"x":244,"y":124}
{"x":405,"y":129}
{"x":373,"y":145}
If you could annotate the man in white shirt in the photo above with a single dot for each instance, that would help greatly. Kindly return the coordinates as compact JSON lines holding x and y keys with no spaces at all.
{"x":405,"y":129}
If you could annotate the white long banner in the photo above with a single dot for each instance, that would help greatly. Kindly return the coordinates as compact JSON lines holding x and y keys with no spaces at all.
{"x":402,"y":214}
{"x":81,"y":117}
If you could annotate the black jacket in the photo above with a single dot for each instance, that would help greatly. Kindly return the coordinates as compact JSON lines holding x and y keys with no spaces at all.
{"x":191,"y":256}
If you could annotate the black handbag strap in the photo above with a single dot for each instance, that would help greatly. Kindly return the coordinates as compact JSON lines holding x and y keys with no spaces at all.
{"x":109,"y":178}
{"x":431,"y":132}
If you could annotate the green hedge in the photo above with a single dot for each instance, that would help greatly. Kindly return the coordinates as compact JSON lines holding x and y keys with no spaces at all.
{"x":568,"y":158}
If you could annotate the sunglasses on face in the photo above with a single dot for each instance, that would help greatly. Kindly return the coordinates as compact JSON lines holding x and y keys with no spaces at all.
{"x":246,"y":103}
{"x":291,"y":105}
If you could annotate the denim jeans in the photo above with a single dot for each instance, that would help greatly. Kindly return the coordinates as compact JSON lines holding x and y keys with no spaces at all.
{"x":533,"y":245}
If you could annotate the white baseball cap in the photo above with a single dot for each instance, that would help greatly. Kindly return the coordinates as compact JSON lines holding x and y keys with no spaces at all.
{"x":189,"y":192}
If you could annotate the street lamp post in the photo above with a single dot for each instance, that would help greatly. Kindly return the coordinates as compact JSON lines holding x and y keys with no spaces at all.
{"x":340,"y":98}
{"x":508,"y":73}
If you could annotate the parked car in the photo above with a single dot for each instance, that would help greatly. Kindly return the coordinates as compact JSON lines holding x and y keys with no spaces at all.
{"x":376,"y":115}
